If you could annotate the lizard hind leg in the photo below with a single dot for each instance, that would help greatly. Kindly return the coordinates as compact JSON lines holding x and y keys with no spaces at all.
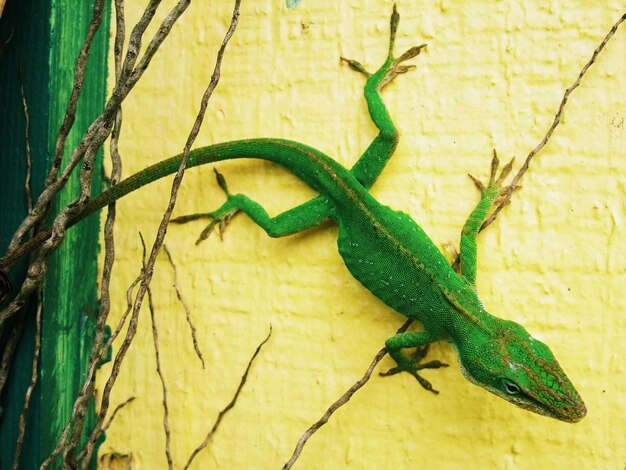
{"x":303,"y":217}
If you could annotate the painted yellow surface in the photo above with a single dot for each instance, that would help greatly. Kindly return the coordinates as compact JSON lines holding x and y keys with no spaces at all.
{"x":492,"y":76}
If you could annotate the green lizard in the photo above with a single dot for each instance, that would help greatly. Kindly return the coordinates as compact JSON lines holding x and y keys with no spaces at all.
{"x":391,"y":255}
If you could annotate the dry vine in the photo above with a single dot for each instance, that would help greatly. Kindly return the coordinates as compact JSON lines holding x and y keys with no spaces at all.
{"x":230,"y":405}
{"x":555,"y":122}
{"x":342,"y":400}
{"x":128,"y":70}
{"x":31,"y":386}
{"x":157,"y":355}
{"x":181,"y":299}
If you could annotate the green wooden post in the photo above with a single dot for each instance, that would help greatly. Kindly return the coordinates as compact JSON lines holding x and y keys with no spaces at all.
{"x":45,"y":38}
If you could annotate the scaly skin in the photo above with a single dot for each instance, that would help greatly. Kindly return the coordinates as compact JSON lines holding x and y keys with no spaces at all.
{"x":390,"y":255}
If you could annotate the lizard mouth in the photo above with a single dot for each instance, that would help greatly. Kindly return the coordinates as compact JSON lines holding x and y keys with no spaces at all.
{"x":570,"y":411}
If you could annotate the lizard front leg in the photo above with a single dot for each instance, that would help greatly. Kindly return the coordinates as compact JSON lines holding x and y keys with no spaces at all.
{"x":412,"y":339}
{"x":490,"y":195}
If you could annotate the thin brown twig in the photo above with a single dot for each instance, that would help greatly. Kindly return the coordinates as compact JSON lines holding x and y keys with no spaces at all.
{"x":91,"y":368}
{"x":27,"y":151}
{"x":16,"y":333}
{"x":157,"y":354}
{"x":34,"y":216}
{"x":101,"y":127}
{"x":342,"y":400}
{"x":95,"y":135}
{"x":79,"y":79}
{"x":162,"y":230}
{"x":21,"y":428}
{"x":230,"y":405}
{"x":555,"y":122}
{"x":41,"y":207}
{"x":117,"y":409}
{"x":109,"y":421}
{"x":181,"y":299}
{"x":82,"y":401}
{"x":6,"y":42}
{"x":9,"y":348}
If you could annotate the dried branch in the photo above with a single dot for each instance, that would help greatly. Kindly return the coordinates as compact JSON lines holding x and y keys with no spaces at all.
{"x":70,"y":115}
{"x":5,"y":286}
{"x":39,"y":263}
{"x":31,"y":386}
{"x":117,"y":409}
{"x":8,"y":351}
{"x":149,"y":269}
{"x":83,"y":395}
{"x":6,"y":42}
{"x":555,"y":122}
{"x":230,"y":405}
{"x":340,"y":402}
{"x":81,"y":404}
{"x":27,"y":151}
{"x":79,"y":79}
{"x":157,"y":354}
{"x":95,"y":135}
{"x":179,"y":295}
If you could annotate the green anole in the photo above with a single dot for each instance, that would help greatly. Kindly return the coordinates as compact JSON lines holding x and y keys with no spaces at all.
{"x":390,"y":255}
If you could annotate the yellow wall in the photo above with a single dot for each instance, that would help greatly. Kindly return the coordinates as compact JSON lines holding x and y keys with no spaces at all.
{"x":492,"y":76}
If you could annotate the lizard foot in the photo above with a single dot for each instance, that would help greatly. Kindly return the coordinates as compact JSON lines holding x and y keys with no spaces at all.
{"x":219,"y":218}
{"x":495,"y":183}
{"x":413,"y":364}
{"x":393,"y":65}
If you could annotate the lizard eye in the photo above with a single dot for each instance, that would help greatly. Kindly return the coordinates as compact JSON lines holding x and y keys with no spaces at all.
{"x":509,"y":387}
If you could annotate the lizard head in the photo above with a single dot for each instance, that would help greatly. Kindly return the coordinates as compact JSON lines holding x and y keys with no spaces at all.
{"x":521,"y":369}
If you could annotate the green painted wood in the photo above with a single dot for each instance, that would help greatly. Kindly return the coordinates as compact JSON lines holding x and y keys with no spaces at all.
{"x":46,"y":37}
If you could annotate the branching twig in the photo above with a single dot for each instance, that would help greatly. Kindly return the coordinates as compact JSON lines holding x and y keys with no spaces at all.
{"x":40,"y":209}
{"x":27,"y":152}
{"x":156,"y":246}
{"x":179,"y":295}
{"x":117,"y":409}
{"x":9,"y":351}
{"x":95,"y":135}
{"x":555,"y":122}
{"x":340,"y":402}
{"x":93,"y":364}
{"x":109,"y":421}
{"x":6,"y":42}
{"x":38,"y":263}
{"x":33,"y":381}
{"x":230,"y":405}
{"x":157,"y":354}
{"x":84,"y":398}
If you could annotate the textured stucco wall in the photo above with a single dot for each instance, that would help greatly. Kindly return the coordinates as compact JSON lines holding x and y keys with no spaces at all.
{"x":492,"y":76}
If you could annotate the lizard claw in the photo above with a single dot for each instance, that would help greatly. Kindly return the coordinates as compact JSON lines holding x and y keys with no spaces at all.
{"x":392,"y":66}
{"x":219,"y":218}
{"x":415,"y":365}
{"x":495,"y":182}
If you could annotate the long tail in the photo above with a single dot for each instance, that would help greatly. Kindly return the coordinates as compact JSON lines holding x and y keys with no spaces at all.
{"x":317,"y":170}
